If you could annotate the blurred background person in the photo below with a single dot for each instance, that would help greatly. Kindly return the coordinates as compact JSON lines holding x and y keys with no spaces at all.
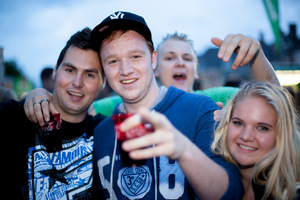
{"x":6,"y":94}
{"x":47,"y":79}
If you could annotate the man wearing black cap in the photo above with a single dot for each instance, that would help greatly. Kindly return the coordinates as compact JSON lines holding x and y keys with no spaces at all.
{"x":179,"y":163}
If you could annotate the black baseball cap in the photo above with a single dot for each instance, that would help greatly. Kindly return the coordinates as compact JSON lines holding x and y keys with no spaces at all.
{"x":117,"y":21}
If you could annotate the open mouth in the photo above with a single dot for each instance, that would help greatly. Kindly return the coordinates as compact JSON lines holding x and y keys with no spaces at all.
{"x":179,"y":77}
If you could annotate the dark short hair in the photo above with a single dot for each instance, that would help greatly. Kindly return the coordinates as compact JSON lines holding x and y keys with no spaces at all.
{"x":46,"y":73}
{"x":81,"y":39}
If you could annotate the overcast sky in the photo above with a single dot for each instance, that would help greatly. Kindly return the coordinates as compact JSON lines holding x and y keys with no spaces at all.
{"x":33,"y":32}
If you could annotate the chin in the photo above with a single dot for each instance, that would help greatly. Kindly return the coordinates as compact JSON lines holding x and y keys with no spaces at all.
{"x":184,"y":88}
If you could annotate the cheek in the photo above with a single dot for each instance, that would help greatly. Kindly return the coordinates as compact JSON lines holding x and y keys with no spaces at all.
{"x":267,"y":142}
{"x":62,"y":81}
{"x":165,"y":66}
{"x":232,"y":135}
{"x":191,"y":69}
{"x":110,"y":73}
{"x":93,"y":88}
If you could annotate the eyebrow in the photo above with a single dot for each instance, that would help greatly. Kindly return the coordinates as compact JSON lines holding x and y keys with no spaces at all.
{"x":67,"y":64}
{"x":172,"y":52}
{"x":129,"y":52}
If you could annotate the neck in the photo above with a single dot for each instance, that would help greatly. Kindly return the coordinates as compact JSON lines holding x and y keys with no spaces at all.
{"x":65,"y":114}
{"x":145,"y":102}
{"x":247,"y":176}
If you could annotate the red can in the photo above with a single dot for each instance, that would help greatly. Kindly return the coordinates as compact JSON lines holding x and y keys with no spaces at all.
{"x":50,"y":133}
{"x":53,"y":124}
{"x":138,"y":131}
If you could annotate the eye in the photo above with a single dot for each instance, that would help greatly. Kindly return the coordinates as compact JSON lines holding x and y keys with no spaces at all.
{"x":237,"y":123}
{"x":69,"y":70}
{"x":90,"y":75}
{"x":263,"y":128}
{"x":111,"y":62}
{"x":136,"y":56}
{"x":169,"y":58}
{"x":188,"y":58}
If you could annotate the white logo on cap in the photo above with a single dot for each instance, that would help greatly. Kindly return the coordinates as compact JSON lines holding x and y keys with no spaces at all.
{"x":119,"y":15}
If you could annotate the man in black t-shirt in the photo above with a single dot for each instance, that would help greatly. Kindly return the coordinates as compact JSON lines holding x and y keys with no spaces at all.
{"x":60,"y":165}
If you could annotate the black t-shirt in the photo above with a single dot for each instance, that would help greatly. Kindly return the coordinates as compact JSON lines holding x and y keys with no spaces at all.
{"x":34,"y":168}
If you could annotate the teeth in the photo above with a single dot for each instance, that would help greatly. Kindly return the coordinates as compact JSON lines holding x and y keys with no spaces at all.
{"x":178,"y":74}
{"x":247,"y":148}
{"x":76,"y":94}
{"x":128,"y":81}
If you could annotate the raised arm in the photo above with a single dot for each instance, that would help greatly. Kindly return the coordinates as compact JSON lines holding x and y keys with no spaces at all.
{"x":249,"y":51}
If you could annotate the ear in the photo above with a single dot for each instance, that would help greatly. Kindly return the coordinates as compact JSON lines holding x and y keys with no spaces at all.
{"x":196,"y":75}
{"x":104,"y":83}
{"x":54,"y":72}
{"x":154,"y":60}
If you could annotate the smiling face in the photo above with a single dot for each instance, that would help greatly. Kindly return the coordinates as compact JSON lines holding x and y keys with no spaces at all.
{"x":251,"y":131}
{"x":177,"y":64}
{"x":78,"y":81}
{"x":129,"y":68}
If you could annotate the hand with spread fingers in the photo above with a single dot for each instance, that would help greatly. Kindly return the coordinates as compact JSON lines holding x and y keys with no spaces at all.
{"x":249,"y":51}
{"x":38,"y":106}
{"x":245,"y":47}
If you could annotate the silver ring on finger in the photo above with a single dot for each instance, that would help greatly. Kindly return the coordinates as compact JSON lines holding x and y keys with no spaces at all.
{"x":44,"y":100}
{"x":35,"y":102}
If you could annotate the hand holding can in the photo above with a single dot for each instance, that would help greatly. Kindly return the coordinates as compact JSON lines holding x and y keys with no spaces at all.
{"x":138,"y":131}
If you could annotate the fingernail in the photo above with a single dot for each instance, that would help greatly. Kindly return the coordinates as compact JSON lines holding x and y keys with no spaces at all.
{"x":125,"y":146}
{"x":226,"y":58}
{"x":121,"y":126}
{"x":220,"y":55}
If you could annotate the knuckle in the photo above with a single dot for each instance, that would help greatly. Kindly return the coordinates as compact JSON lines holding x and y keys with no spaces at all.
{"x":230,"y":36}
{"x":240,"y":35}
{"x":36,"y":108}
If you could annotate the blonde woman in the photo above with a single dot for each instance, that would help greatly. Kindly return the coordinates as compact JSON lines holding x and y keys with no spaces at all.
{"x":259,"y":134}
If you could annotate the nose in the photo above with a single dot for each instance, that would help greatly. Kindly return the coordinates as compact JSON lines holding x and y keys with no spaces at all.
{"x":247,"y":134}
{"x":126,"y":68}
{"x":77,"y":81}
{"x":179,"y":62}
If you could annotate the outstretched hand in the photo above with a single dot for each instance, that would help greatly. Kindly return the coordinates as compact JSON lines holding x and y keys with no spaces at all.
{"x":167,"y":140}
{"x":245,"y":47}
{"x":38,"y":106}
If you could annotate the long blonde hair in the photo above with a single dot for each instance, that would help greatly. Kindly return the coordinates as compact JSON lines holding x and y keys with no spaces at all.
{"x":279,"y":169}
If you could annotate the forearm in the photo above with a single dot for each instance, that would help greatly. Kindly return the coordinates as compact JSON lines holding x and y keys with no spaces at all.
{"x":262,"y":70}
{"x":208,"y":179}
